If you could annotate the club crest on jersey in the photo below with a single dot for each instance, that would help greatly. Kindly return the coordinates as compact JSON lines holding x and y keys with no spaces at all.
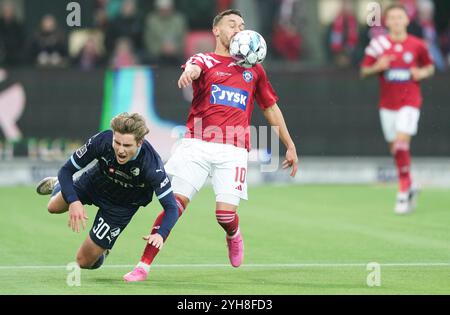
{"x":248,"y":76}
{"x":228,"y":96}
{"x":408,"y":57}
{"x":135,"y":171}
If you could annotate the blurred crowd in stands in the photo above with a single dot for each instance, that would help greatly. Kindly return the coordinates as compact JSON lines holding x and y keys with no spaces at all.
{"x":126,"y":33}
{"x":348,"y":39}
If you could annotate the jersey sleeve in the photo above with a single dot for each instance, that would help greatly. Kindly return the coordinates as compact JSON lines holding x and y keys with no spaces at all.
{"x":79,"y":160}
{"x":163,"y":191}
{"x":265,"y":94}
{"x":90,"y":151}
{"x":159,"y":180}
{"x":371,"y":54}
{"x":424,"y":56}
{"x":368,"y":61}
{"x":200,"y":60}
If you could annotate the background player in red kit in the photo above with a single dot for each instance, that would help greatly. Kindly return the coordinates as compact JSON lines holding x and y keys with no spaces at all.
{"x":401,"y":61}
{"x":217,"y":141}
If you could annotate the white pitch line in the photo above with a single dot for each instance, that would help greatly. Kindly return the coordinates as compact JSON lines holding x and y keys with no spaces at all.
{"x":311,"y":265}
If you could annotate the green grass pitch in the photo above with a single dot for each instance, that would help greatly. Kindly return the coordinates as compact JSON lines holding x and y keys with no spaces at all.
{"x":299,"y":239}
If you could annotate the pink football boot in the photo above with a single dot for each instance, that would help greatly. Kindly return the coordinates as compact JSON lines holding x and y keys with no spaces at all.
{"x":138,"y":274}
{"x":236,"y":249}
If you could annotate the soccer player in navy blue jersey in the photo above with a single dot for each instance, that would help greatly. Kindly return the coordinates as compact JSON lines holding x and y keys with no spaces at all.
{"x":127,"y":172}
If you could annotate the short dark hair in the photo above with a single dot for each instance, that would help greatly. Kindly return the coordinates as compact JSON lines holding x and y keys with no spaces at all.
{"x":395,"y":6}
{"x":221,"y":15}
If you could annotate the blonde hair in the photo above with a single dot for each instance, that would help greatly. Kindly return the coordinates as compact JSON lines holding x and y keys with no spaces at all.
{"x":134,"y":124}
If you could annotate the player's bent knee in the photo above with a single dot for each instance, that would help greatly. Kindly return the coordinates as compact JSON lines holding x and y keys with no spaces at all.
{"x":83,"y":262}
{"x":400,"y":145}
{"x":57,"y":205}
{"x":183,"y":189}
{"x":86,"y":263}
{"x":52,"y":207}
{"x":230,"y":200}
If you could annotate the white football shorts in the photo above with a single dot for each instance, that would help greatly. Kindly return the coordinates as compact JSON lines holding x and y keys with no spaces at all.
{"x":195,"y":160}
{"x":405,"y":120}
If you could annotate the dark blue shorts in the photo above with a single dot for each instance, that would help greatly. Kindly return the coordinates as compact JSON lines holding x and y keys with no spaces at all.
{"x":110,"y":220}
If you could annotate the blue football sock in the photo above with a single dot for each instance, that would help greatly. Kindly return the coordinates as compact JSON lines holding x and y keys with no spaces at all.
{"x":99,"y":262}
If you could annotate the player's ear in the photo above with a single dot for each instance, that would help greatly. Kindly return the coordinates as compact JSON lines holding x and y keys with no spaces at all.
{"x":216,"y":31}
{"x":408,"y":19}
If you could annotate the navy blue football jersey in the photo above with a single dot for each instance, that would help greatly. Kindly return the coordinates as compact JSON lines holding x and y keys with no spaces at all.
{"x":128,"y":185}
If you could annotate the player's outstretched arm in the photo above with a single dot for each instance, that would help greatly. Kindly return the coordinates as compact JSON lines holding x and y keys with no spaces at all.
{"x":78,"y":161}
{"x":170,"y":207}
{"x":162,"y":187}
{"x":191,"y":73}
{"x":77,"y":213}
{"x":275,"y":117}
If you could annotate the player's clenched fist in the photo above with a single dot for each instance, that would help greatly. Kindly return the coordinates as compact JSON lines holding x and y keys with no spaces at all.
{"x":383,"y":63}
{"x":191,"y":73}
{"x":185,"y":79}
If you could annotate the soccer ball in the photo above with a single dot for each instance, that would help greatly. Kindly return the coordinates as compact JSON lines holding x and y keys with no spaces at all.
{"x":248,"y":48}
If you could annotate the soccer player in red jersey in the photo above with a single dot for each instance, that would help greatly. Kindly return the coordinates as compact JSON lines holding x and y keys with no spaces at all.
{"x":401,"y":61}
{"x":217,"y":141}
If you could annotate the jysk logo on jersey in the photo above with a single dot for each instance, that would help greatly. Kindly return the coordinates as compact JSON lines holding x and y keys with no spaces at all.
{"x":228,"y":96}
{"x":398,"y":75}
{"x":248,"y":76}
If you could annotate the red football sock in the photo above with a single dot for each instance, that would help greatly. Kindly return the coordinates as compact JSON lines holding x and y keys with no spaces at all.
{"x":403,"y":161}
{"x":151,"y":251}
{"x":228,"y":220}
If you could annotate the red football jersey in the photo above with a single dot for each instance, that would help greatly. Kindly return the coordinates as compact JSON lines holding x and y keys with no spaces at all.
{"x":223,"y":102}
{"x":397,"y":87}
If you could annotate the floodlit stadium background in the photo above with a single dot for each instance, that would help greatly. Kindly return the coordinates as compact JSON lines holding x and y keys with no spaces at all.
{"x":329,"y":222}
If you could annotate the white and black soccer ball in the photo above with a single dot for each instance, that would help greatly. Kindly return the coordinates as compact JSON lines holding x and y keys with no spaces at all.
{"x":248,"y":48}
